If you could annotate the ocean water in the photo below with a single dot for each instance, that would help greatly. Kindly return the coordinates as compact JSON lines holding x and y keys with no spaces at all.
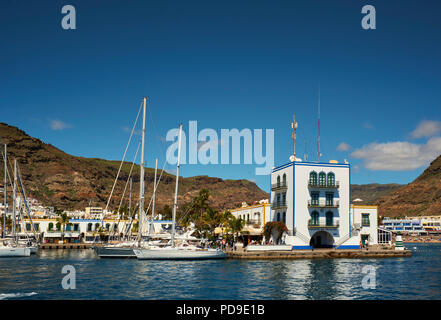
{"x":40,"y":277}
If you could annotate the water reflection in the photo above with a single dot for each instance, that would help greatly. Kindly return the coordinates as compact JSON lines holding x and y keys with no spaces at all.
{"x":418,"y":277}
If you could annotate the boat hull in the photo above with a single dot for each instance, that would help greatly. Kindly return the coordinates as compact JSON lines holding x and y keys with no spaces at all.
{"x":115,"y":252}
{"x":178,"y":254}
{"x":33,"y":249}
{"x":15,"y":252}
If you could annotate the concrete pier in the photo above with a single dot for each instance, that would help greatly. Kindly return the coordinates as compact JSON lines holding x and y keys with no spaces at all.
{"x":318,"y":254}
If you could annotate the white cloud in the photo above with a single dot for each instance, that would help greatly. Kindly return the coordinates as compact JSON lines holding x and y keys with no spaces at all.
{"x":59,"y":125}
{"x":343,"y":147}
{"x":427,"y":128}
{"x":398,"y":156}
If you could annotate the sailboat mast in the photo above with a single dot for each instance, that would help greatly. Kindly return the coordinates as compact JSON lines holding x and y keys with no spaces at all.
{"x":130,"y":197}
{"x":154,"y":189}
{"x":6,"y":200}
{"x":141,"y":184}
{"x":14,"y":199}
{"x":176,"y":188}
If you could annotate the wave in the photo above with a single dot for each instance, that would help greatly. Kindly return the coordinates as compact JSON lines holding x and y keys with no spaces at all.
{"x":4,"y":296}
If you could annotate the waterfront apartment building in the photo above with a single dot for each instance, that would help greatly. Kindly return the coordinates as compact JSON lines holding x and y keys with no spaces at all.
{"x":313,"y":200}
{"x":255,"y":216}
{"x":84,"y":230}
{"x":414,"y":225}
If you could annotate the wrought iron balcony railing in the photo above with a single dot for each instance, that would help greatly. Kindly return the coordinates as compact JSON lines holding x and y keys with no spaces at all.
{"x":323,"y":204}
{"x":323,"y":224}
{"x":278,"y":205}
{"x":279,"y":186}
{"x":255,"y":222}
{"x":315,"y":184}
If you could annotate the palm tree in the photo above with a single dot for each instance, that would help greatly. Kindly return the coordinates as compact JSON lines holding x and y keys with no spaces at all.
{"x":236,"y":225}
{"x":62,"y":220}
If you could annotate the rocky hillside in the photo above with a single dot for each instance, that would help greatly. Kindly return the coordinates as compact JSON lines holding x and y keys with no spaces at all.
{"x":420,"y":197}
{"x":370,"y":193}
{"x":69,"y":182}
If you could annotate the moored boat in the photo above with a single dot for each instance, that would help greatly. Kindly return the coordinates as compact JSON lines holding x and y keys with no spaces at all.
{"x":10,"y":251}
{"x":176,"y":253}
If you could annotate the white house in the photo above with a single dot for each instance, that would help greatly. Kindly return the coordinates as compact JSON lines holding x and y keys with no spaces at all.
{"x":365,"y":218}
{"x":256,"y":214}
{"x":313,"y":200}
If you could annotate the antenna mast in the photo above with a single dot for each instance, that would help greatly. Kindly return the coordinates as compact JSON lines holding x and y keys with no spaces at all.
{"x":294,"y":127}
{"x":318,"y":140}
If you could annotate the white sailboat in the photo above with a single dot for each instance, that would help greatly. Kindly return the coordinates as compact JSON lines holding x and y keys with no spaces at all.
{"x":125,"y":249}
{"x":174,"y":252}
{"x":10,"y":247}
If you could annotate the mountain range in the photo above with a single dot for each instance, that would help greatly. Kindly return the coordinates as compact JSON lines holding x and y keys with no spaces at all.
{"x":68,"y":182}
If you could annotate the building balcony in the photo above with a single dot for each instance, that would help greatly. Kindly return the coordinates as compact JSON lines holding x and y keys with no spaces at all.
{"x":279,"y":186}
{"x":314,"y":184}
{"x":254,"y":223}
{"x":323,"y":204}
{"x":334,"y":224}
{"x":279,"y":205}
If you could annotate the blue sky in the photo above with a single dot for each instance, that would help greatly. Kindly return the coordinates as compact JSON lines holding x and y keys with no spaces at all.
{"x":230,"y":64}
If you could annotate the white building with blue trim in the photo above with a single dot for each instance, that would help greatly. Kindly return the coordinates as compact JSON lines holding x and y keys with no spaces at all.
{"x":313,"y":200}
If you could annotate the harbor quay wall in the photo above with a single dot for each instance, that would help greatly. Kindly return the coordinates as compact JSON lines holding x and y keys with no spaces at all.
{"x":318,"y":254}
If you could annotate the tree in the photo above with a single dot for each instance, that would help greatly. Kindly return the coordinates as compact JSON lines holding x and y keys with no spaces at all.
{"x":8,"y":223}
{"x":166,"y":212}
{"x":236,"y":225}
{"x":274,"y":225}
{"x":62,"y":220}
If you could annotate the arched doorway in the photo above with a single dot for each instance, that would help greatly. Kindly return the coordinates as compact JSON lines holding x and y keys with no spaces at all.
{"x":322,"y":239}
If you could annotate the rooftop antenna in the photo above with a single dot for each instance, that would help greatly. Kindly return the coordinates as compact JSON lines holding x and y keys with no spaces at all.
{"x":294,"y":125}
{"x":318,"y":140}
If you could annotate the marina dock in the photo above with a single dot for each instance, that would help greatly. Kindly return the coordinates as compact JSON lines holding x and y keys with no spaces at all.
{"x":65,"y":246}
{"x":318,"y":254}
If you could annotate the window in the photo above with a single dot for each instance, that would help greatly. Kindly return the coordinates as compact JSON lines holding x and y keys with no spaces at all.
{"x":107,"y":226}
{"x":89,"y":227}
{"x":50,"y":226}
{"x":28,"y":227}
{"x":284,"y":198}
{"x":69,"y":227}
{"x":313,"y":178}
{"x":314,"y":218}
{"x":58,"y":226}
{"x":314,"y":198}
{"x":76,"y":227}
{"x":278,"y":216}
{"x":284,"y":179}
{"x":278,"y":180}
{"x":322,"y":179}
{"x":97,"y":225}
{"x":284,"y":217}
{"x":365,"y":220}
{"x":329,"y":218}
{"x":329,"y":199}
{"x":331,"y":179}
